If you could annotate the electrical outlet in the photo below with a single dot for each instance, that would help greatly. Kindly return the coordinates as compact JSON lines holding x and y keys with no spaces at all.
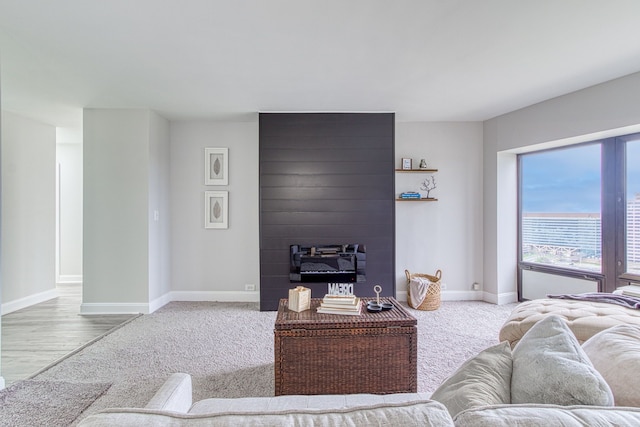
{"x":475,"y":286}
{"x":249,"y":287}
{"x":443,"y":286}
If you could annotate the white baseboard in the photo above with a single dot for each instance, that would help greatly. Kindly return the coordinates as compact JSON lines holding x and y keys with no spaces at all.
{"x":159,"y":302}
{"x":2,"y":383}
{"x":68,"y":278}
{"x":15,"y":305}
{"x":69,"y":285}
{"x":450,"y":296}
{"x":124,"y":308}
{"x":462,"y":296}
{"x":114,"y":308}
{"x":501,"y":299}
{"x":223,"y":296}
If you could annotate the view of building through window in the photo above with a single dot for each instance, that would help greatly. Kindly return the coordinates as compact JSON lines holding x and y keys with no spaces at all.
{"x":562,"y":239}
{"x":561,"y":198}
{"x":633,"y":206}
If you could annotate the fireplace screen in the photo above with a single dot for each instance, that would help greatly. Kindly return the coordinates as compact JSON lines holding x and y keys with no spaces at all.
{"x":328,"y":263}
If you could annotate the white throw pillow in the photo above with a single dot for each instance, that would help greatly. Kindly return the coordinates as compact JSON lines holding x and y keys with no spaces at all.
{"x":550,"y":367}
{"x":482,"y":380}
{"x":615,"y":353}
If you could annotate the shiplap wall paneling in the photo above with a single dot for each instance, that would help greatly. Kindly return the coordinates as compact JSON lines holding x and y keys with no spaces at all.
{"x":326,"y":178}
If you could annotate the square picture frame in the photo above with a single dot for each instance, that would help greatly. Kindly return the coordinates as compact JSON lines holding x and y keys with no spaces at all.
{"x":216,"y":209}
{"x":216,"y":166}
{"x":407,"y":164}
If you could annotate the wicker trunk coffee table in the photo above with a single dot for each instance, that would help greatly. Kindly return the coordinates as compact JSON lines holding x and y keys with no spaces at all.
{"x":337,"y":354}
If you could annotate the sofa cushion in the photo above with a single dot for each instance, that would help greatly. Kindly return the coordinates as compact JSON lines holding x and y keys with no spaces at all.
{"x":415,"y":413}
{"x":300,"y":402}
{"x":482,"y":380}
{"x":534,"y":415}
{"x":549,"y":366}
{"x":615,"y":353}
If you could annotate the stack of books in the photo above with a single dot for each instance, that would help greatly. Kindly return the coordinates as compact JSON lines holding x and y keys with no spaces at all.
{"x":340,"y":304}
{"x":410,"y":195}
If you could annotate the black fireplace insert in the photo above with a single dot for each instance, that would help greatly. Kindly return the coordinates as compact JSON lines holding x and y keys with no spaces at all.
{"x":341,"y":263}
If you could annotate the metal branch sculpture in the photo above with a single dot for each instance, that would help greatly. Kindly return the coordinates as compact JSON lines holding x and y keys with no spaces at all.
{"x":428,"y":185}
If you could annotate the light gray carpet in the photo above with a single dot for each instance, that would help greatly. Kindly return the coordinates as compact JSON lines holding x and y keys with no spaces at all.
{"x":228,"y":350}
{"x":46,"y":403}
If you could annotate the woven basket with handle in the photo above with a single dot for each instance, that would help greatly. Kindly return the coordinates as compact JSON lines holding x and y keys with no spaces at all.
{"x":432,"y":299}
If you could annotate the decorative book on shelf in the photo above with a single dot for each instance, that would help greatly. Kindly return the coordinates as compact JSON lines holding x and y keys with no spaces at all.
{"x":349,"y":305}
{"x":409,"y":195}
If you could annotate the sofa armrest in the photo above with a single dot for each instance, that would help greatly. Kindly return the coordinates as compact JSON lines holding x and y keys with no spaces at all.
{"x":174,"y":395}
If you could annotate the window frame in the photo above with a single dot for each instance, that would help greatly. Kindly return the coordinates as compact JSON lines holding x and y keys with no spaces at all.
{"x":622,"y":277}
{"x":613,"y":211}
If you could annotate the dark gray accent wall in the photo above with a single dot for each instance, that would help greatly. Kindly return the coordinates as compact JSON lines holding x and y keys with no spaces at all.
{"x":326,"y":178}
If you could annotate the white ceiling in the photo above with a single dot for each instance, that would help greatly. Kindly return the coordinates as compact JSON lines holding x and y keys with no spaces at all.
{"x":426,"y":60}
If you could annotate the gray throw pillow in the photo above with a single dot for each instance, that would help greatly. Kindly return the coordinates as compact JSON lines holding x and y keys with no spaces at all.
{"x":550,"y":367}
{"x":482,"y":380}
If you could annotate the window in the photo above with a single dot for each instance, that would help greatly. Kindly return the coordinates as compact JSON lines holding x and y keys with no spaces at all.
{"x":579,"y":213}
{"x":560,"y":208}
{"x":632,"y":223}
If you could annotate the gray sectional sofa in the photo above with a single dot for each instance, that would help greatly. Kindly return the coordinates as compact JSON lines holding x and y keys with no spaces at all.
{"x":547,"y":379}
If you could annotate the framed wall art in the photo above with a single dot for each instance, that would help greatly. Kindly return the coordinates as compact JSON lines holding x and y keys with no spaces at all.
{"x":216,"y":166}
{"x":216,"y":209}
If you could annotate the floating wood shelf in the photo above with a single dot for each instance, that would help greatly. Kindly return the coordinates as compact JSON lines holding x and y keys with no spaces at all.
{"x":422,"y":199}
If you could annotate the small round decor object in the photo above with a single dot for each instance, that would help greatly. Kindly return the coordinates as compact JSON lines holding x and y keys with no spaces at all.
{"x":372,"y":307}
{"x":386,"y":305}
{"x":377,"y":289}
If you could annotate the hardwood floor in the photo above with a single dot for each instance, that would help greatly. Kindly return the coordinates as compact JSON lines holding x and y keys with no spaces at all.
{"x":36,"y":336}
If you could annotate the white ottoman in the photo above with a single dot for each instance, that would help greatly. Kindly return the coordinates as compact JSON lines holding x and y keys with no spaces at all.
{"x":584,"y":318}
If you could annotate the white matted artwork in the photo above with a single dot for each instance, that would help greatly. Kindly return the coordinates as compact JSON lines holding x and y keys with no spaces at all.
{"x":216,"y":166}
{"x":216,"y":209}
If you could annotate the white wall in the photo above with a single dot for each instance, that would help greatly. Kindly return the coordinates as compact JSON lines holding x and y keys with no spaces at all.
{"x":214,"y":264}
{"x":607,"y":109}
{"x":446,"y":234}
{"x":126,"y":250}
{"x":69,"y":159}
{"x":116,"y":197}
{"x":28,"y":212}
{"x":536,"y":284}
{"x":2,"y":382}
{"x":159,"y":212}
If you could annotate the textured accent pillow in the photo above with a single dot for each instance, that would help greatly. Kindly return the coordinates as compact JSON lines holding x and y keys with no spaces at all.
{"x":549,"y":366}
{"x":615,"y":353}
{"x":482,"y":380}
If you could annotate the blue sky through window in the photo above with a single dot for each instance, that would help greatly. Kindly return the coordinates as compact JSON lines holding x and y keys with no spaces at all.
{"x":568,"y":180}
{"x":565,"y":180}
